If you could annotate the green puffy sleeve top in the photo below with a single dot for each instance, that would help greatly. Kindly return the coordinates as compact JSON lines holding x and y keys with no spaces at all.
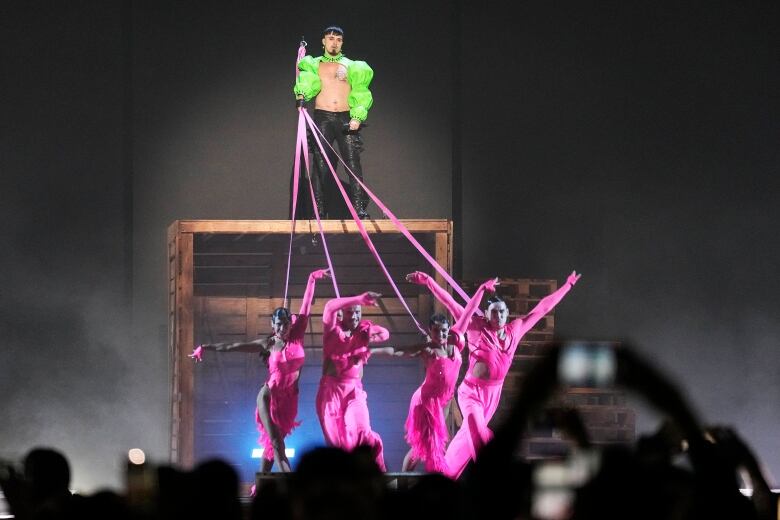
{"x":359,"y":76}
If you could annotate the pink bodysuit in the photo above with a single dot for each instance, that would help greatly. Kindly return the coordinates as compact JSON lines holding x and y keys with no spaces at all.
{"x":341,"y":400}
{"x":283,"y":371}
{"x":478,"y":398}
{"x":426,"y":430}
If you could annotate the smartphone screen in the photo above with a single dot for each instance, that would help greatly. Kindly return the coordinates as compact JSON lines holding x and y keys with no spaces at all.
{"x":556,"y":483}
{"x":587,"y":364}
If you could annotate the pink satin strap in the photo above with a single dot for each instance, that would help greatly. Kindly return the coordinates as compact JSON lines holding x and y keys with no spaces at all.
{"x":296,"y":174}
{"x":315,"y":131}
{"x":302,"y":141}
{"x":405,"y":232}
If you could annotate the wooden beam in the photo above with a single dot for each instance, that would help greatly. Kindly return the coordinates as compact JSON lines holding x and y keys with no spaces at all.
{"x":329,"y":226}
{"x":442,"y":250}
{"x":185,"y":339}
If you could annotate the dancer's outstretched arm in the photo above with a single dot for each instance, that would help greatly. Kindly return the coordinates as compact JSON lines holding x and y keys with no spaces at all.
{"x":525,"y":323}
{"x":261,"y":346}
{"x":329,"y":321}
{"x":458,"y":330}
{"x":438,"y":292}
{"x":308,"y":295}
{"x":471,"y":307}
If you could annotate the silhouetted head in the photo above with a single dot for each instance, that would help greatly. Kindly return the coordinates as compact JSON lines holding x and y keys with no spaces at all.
{"x":215,"y":492}
{"x":47,"y":472}
{"x":435,"y":496}
{"x":332,"y":483}
{"x":497,"y":312}
{"x":280,"y":321}
{"x":439,"y":329}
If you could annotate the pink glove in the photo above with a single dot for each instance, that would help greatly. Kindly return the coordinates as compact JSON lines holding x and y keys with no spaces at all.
{"x":573,"y":277}
{"x":197,"y":354}
{"x":490,"y":285}
{"x":417,"y":277}
{"x":370,"y":298}
{"x":319,"y":274}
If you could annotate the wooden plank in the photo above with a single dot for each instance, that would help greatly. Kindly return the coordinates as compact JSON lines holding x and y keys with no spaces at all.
{"x":339,"y":246}
{"x":329,"y":226}
{"x":389,"y":306}
{"x":258,"y":290}
{"x":184,"y":342}
{"x":442,"y":256}
{"x":173,"y":388}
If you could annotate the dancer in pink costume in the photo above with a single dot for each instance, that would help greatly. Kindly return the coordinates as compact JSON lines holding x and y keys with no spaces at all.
{"x":492,"y":344}
{"x":426,"y":431}
{"x":277,"y":401}
{"x":341,"y":400}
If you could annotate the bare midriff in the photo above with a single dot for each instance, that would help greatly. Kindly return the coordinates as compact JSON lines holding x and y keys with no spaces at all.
{"x":329,"y":369}
{"x":480,"y":370}
{"x":335,"y":88}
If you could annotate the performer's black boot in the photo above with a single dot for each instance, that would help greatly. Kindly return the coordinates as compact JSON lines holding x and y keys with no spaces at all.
{"x":360,"y":202}
{"x":320,"y":201}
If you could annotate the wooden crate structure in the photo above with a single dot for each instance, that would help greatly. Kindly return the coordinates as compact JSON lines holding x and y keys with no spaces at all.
{"x":225,"y":279}
{"x":604,"y":412}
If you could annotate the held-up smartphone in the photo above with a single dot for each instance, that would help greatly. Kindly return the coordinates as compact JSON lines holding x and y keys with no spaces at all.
{"x":555,"y":483}
{"x":587,"y":364}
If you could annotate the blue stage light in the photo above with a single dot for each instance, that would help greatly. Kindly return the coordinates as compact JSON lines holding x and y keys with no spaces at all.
{"x":257,"y":453}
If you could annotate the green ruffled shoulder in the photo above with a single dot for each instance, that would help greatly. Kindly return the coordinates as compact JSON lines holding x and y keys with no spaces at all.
{"x":308,"y":83}
{"x":359,"y":75}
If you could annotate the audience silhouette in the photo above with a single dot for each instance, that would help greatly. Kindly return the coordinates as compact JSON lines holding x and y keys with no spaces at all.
{"x":682,"y":470}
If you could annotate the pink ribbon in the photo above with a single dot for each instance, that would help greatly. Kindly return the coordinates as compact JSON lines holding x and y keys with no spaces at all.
{"x":301,"y":147}
{"x":400,"y":226}
{"x":357,"y":220}
{"x":296,"y":173}
{"x":302,"y":141}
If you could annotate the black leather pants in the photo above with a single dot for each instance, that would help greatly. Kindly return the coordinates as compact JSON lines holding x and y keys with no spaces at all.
{"x":335,"y":127}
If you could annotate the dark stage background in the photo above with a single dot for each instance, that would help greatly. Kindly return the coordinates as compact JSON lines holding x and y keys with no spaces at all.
{"x":634,"y":141}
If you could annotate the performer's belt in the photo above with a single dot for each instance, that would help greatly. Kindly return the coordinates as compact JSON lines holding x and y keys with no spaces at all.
{"x":478,"y":381}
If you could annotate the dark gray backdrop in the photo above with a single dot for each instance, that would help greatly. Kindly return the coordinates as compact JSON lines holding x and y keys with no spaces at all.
{"x":634,"y":141}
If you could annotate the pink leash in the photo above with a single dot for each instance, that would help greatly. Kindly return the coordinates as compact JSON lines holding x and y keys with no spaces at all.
{"x":359,"y":223}
{"x":302,"y":148}
{"x":400,"y":226}
{"x":296,"y":173}
{"x":302,"y":141}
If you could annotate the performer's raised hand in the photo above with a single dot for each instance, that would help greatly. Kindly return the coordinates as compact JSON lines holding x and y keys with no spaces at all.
{"x":371,"y":298}
{"x":490,"y":285}
{"x":573,"y":277}
{"x":319,"y":274}
{"x":417,"y":277}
